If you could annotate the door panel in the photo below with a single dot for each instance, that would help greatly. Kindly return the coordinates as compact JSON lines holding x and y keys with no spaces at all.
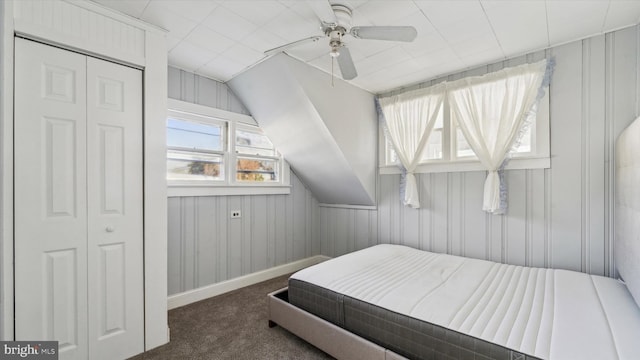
{"x":114,"y":150}
{"x":112,"y":169}
{"x":60,"y":298}
{"x":60,"y":148}
{"x":50,"y":197}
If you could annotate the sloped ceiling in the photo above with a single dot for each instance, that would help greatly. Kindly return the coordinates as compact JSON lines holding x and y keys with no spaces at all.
{"x":327,"y":133}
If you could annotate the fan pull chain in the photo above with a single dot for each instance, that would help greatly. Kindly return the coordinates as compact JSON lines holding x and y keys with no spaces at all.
{"x":333,"y":61}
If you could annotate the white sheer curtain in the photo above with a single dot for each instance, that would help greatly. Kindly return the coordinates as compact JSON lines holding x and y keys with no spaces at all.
{"x":409,"y":119}
{"x":491,"y":110}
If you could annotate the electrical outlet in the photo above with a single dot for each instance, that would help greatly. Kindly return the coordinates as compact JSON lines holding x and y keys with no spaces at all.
{"x":236,"y":214}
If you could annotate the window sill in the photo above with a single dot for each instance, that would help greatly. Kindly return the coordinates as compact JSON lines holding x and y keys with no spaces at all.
{"x":459,"y":166}
{"x":208,"y":190}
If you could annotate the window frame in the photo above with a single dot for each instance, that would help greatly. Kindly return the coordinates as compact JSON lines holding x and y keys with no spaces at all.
{"x":538,"y":158}
{"x":229,"y":185}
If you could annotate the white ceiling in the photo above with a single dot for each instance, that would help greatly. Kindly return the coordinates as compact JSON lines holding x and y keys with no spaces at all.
{"x":221,"y":38}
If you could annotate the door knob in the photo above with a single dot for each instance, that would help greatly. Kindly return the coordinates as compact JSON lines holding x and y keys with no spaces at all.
{"x":110,"y":228}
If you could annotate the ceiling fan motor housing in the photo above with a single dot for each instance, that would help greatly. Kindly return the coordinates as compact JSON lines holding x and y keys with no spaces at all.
{"x":336,"y":31}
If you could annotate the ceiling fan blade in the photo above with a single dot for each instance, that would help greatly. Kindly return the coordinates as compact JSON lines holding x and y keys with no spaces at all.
{"x":323,"y":10}
{"x":292,"y":44}
{"x":393,"y":33}
{"x":347,"y":68}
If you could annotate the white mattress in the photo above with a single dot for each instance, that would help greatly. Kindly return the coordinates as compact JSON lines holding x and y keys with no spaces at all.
{"x":550,"y":314}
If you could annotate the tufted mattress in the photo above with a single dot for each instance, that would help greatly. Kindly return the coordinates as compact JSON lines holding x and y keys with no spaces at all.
{"x":424,"y":305}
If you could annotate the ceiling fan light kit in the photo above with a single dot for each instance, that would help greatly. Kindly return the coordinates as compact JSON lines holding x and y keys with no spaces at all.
{"x":335,"y":20}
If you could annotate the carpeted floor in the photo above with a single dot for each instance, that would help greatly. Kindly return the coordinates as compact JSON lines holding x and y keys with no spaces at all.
{"x":232,"y":326}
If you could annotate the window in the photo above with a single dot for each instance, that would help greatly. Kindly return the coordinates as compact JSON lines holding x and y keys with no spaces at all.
{"x":447,"y":150}
{"x":257,"y":159}
{"x":214,"y":152}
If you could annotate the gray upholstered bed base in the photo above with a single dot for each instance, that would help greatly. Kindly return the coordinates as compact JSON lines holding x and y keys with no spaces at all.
{"x":371,"y":332}
{"x":333,"y":340}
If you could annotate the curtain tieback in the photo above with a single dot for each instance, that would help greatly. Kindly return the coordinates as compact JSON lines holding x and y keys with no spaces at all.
{"x":411,"y":196}
{"x":491,"y":201}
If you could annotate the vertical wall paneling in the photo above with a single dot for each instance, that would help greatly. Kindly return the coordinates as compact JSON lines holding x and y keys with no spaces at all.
{"x":196,"y":89}
{"x":280,"y":231}
{"x":594,"y":154}
{"x":290,"y":222}
{"x":566,"y":159}
{"x":426,"y":194}
{"x":373,"y":228}
{"x":247,"y":225}
{"x":559,"y":217}
{"x":388,"y":198}
{"x":173,"y":77}
{"x":474,"y":228}
{"x":456,"y":213}
{"x":189,"y":225}
{"x":259,"y":233}
{"x":299,"y":205}
{"x":271,"y":232}
{"x":496,"y":237}
{"x":537,"y":200}
{"x":409,"y":226}
{"x":222,"y":243}
{"x":362,"y":229}
{"x":173,"y":247}
{"x":187,"y":87}
{"x":342,"y":242}
{"x":440,"y":212}
{"x":235,"y":243}
{"x":515,"y":236}
{"x":206,"y":246}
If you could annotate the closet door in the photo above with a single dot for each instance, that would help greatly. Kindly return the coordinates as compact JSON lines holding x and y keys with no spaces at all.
{"x":50,"y":197}
{"x":78,"y":203}
{"x":114,"y":154}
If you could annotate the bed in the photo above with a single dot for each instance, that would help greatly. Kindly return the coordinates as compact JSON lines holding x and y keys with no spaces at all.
{"x":395,"y":302}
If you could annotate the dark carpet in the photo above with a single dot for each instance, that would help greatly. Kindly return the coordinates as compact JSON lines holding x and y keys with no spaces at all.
{"x":232,"y":326}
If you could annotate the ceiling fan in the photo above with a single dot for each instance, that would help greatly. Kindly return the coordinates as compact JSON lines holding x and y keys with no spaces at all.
{"x":335,"y":20}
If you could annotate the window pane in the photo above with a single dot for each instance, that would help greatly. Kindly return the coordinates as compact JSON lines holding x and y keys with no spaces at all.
{"x":433,"y":149}
{"x":528,"y":137}
{"x":252,"y":143}
{"x":259,"y":170}
{"x":189,"y":166}
{"x":463,"y":148}
{"x":193,"y":135}
{"x":525,"y":142}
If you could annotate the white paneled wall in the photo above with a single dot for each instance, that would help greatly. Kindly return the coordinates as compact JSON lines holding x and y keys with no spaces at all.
{"x":559,"y":217}
{"x":206,"y":246}
{"x":200,"y":90}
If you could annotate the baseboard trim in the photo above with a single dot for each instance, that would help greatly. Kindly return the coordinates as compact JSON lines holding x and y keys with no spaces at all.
{"x":205,"y":292}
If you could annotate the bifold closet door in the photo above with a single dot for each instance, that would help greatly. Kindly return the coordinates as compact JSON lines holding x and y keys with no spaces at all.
{"x":114,"y":173}
{"x":78,"y":203}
